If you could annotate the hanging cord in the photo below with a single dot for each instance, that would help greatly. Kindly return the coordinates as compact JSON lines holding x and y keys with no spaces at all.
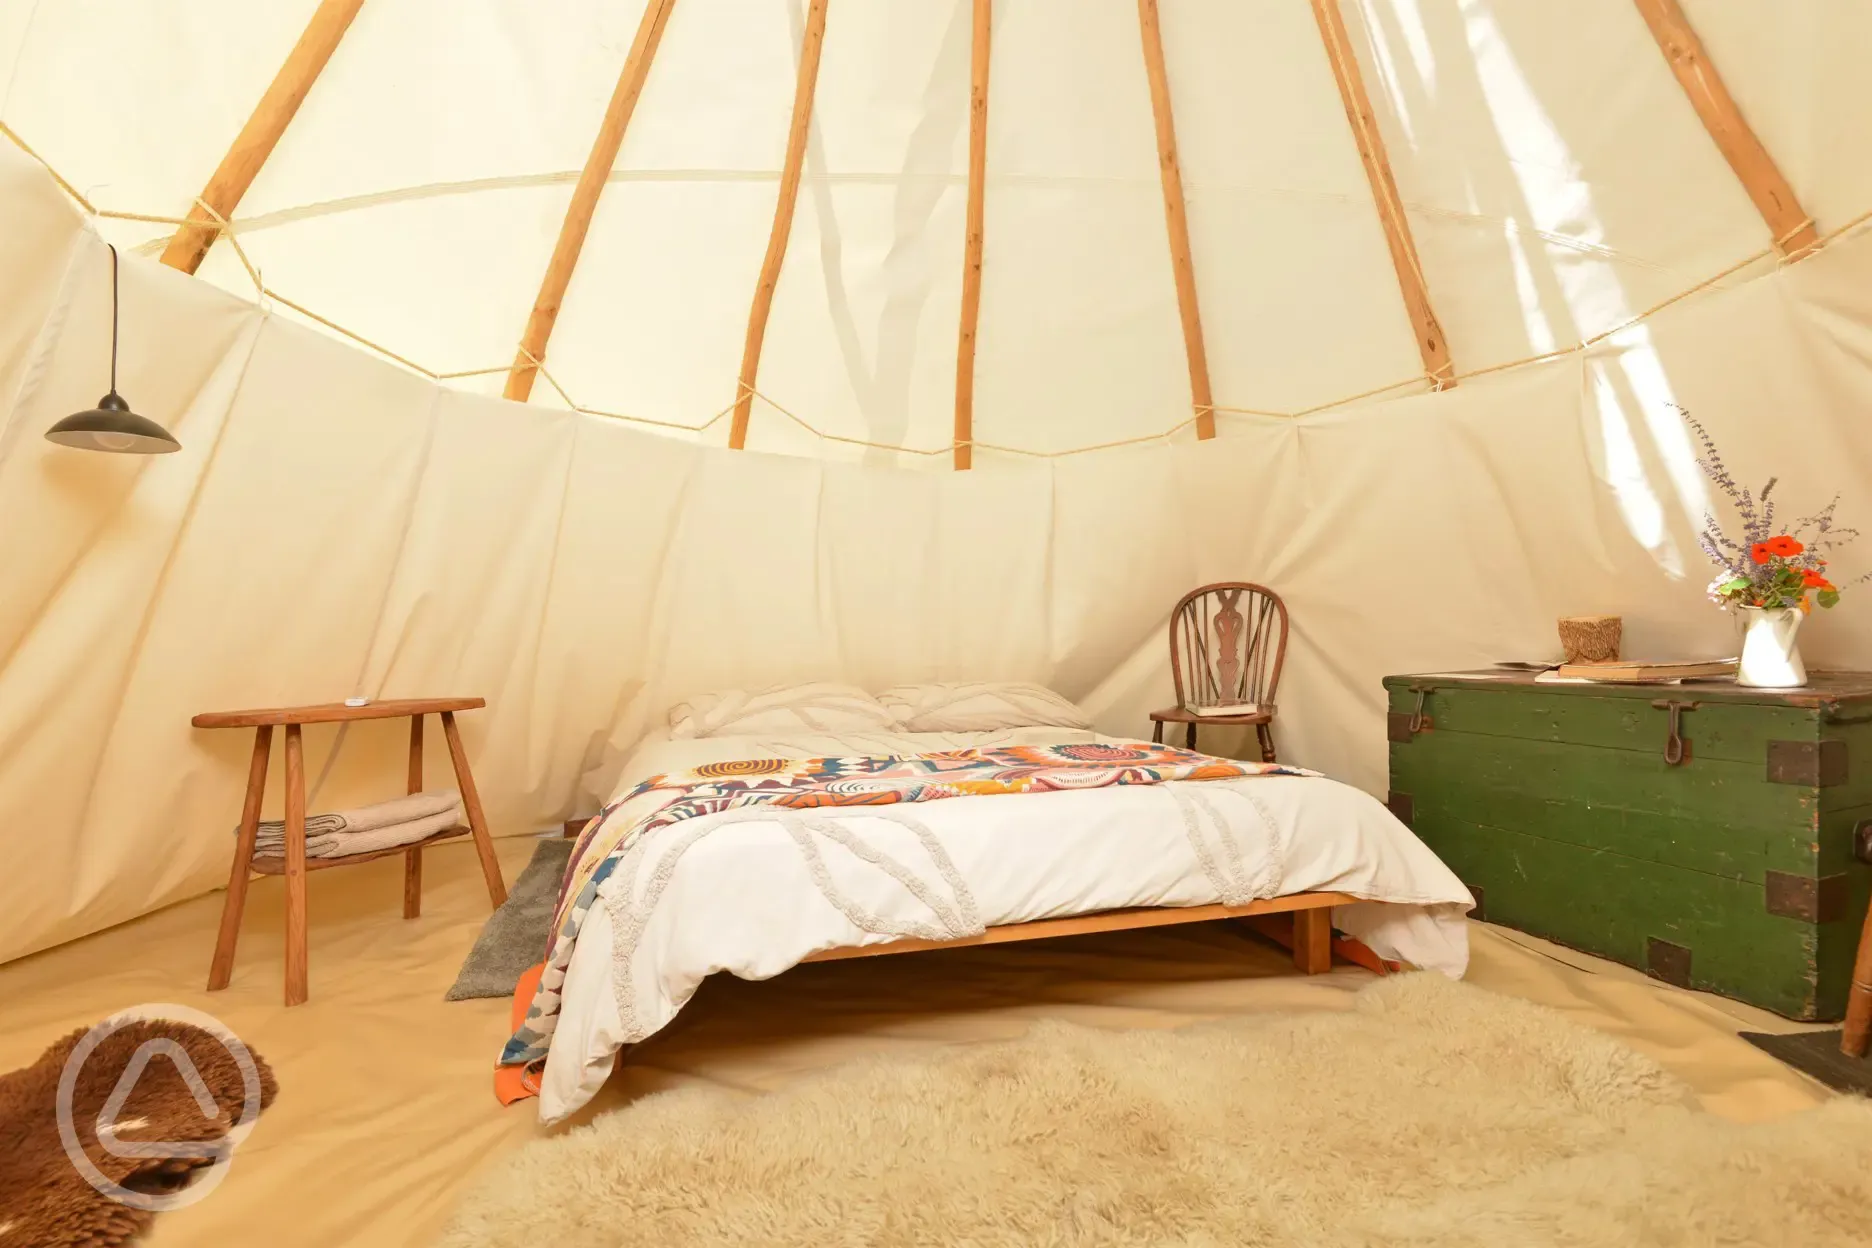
{"x":113,"y":251}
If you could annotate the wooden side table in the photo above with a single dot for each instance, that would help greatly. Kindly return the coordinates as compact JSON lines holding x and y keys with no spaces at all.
{"x":294,"y":864}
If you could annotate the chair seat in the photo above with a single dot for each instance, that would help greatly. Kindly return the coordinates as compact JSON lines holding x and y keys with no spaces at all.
{"x":1179,"y":715}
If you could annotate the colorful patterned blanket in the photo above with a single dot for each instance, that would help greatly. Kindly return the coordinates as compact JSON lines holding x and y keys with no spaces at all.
{"x":822,"y":782}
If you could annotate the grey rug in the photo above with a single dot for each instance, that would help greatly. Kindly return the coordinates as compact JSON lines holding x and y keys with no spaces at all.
{"x":514,"y":936}
{"x":1817,"y":1053}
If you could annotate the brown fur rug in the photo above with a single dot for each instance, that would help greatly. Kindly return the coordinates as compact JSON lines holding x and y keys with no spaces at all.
{"x":1432,"y":1115}
{"x":44,"y":1200}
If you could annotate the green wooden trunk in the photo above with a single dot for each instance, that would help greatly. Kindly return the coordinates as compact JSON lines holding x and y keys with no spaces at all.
{"x":1733,"y":870}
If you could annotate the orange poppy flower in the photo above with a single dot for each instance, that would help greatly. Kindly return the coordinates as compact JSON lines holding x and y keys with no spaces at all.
{"x":1784,"y":546}
{"x":1759,"y":552}
{"x":1813,"y":580}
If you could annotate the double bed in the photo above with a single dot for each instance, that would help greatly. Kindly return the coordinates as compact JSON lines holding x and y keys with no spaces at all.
{"x":665,"y":890}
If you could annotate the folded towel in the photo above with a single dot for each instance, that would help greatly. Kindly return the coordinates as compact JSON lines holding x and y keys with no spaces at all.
{"x":400,"y":810}
{"x":272,"y":834}
{"x":316,"y":825}
{"x":343,"y":844}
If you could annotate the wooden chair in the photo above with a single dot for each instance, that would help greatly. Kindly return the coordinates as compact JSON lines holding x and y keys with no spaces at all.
{"x":1233,"y":636}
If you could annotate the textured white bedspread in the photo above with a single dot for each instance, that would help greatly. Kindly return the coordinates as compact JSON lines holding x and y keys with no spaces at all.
{"x":742,"y":900}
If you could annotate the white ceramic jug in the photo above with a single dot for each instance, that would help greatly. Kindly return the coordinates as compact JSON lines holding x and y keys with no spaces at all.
{"x":1770,"y":655}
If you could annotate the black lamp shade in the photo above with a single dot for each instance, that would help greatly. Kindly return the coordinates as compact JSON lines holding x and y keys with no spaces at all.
{"x":112,"y":426}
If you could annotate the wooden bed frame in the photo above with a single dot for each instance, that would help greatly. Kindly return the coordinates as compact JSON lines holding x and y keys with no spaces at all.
{"x":1301,"y":921}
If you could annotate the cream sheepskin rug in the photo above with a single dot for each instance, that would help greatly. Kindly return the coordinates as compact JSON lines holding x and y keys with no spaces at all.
{"x":1431,"y":1114}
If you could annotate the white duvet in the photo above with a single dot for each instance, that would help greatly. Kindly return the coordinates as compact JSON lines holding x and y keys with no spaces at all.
{"x":744,"y":898}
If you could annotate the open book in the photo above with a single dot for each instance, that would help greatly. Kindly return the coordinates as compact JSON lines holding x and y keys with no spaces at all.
{"x":1631,"y":673}
{"x":1222,"y":710}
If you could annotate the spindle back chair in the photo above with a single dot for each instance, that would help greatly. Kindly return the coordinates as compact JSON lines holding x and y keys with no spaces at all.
{"x":1228,"y":641}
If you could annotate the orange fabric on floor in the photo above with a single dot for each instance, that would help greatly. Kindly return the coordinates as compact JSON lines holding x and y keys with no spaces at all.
{"x":517,"y":1083}
{"x":383,"y":1114}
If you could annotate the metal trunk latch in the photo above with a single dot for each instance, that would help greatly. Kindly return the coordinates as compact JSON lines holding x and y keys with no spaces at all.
{"x":1676,"y":749}
{"x":1402,"y":726}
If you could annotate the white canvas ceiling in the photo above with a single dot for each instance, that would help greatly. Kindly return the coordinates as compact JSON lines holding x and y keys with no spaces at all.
{"x":1556,"y":180}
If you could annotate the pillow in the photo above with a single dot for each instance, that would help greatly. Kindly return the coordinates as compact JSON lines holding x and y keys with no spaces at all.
{"x":980,"y":706}
{"x":816,"y":707}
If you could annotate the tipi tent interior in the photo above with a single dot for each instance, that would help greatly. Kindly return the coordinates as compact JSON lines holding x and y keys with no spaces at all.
{"x":671,"y":391}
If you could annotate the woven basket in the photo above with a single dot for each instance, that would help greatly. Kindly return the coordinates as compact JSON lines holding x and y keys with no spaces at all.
{"x":1590,"y":638}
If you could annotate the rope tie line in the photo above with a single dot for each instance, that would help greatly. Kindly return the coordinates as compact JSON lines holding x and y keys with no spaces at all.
{"x":304,"y":311}
{"x":1805,"y":223}
{"x":471,"y":372}
{"x":225,"y":229}
{"x":539,"y":366}
{"x":57,"y":177}
{"x":838,"y":437}
{"x":228,"y":229}
{"x":1257,"y":411}
{"x":1647,"y":314}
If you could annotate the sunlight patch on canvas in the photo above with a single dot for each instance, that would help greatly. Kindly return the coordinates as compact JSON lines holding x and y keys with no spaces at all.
{"x":1622,"y":468}
{"x":1416,"y":40}
{"x":1644,"y":372}
{"x":1559,"y":201}
{"x":1539,"y":331}
{"x":1558,"y":198}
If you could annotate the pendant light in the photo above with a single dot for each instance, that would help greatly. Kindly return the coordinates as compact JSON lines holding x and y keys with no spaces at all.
{"x":111,"y":425}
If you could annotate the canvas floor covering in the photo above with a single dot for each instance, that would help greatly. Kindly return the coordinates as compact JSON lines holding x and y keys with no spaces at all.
{"x":384,"y":1111}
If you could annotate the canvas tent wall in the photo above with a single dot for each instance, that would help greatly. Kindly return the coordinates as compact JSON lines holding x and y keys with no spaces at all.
{"x":339,"y":522}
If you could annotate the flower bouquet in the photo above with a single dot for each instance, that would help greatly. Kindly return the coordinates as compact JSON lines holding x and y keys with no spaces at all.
{"x":1772,"y":576}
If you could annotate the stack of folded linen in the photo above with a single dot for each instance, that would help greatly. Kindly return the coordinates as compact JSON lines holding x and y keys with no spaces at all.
{"x":366,"y":829}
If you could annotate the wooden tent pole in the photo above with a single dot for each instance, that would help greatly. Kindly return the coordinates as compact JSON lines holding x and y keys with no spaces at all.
{"x":972,"y":249}
{"x":783,"y":219}
{"x":257,"y":138}
{"x":585,"y":195}
{"x":1432,"y":347}
{"x":1793,"y":230}
{"x":1177,"y":220}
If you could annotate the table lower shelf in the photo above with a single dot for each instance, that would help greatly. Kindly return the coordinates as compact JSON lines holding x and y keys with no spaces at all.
{"x":277,"y":865}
